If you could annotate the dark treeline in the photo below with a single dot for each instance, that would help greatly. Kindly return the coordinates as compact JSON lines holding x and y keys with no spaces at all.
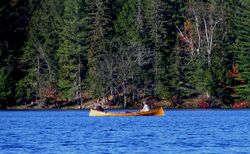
{"x":124,"y":50}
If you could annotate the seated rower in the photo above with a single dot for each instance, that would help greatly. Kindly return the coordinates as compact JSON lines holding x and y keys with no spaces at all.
{"x":98,"y":107}
{"x":145,"y":107}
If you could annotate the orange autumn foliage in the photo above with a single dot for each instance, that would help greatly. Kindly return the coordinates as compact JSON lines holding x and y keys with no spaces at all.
{"x":234,"y":72}
{"x":186,"y":36}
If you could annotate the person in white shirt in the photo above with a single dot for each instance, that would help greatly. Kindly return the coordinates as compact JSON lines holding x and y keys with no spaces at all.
{"x":145,"y":107}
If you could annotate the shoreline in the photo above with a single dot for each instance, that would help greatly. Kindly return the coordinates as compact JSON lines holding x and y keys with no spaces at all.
{"x":192,"y":104}
{"x":18,"y":108}
{"x":171,"y":109}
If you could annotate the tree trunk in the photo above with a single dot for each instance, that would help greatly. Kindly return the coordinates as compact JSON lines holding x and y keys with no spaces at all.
{"x":79,"y":82}
{"x":124,"y":95}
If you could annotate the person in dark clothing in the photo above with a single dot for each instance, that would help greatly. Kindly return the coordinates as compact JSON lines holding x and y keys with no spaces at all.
{"x":98,"y":107}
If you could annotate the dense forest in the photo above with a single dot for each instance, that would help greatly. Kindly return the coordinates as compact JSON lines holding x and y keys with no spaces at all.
{"x":124,"y":50}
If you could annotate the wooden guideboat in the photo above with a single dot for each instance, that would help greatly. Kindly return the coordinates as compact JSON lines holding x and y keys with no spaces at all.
{"x":153,"y":112}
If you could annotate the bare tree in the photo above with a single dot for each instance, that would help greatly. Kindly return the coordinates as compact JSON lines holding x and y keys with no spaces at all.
{"x":200,"y":27}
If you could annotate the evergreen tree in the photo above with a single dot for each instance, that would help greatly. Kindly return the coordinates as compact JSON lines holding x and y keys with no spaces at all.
{"x":136,"y":59}
{"x":40,"y":52}
{"x":14,"y":19}
{"x":155,"y":34}
{"x":201,"y":42}
{"x":71,"y":54}
{"x":241,"y":46}
{"x":169,"y":74}
{"x":98,"y":21}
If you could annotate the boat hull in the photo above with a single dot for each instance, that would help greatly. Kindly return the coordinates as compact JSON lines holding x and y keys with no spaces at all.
{"x":154,"y":112}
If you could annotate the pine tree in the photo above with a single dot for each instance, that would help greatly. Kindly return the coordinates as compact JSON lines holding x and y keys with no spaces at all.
{"x":219,"y":85}
{"x":136,"y":59}
{"x":40,"y":52}
{"x":71,"y":54}
{"x":168,"y":72}
{"x":242,"y":46}
{"x":98,"y":21}
{"x":14,"y":19}
{"x":155,"y":34}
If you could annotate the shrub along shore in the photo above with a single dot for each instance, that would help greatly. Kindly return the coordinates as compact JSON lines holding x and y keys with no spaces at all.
{"x":195,"y":103}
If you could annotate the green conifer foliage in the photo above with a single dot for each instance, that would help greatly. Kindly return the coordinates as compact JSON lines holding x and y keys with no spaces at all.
{"x":71,"y":53}
{"x":241,"y":21}
{"x":155,"y":35}
{"x":40,"y":52}
{"x":168,"y":73}
{"x":97,"y":19}
{"x":14,"y":17}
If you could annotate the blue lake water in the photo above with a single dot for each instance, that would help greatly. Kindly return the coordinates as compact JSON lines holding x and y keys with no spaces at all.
{"x":179,"y":131}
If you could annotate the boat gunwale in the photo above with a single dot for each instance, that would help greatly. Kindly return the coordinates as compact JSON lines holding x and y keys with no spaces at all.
{"x":153,"y":112}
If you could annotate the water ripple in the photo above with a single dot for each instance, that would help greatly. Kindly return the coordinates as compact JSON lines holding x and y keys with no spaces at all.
{"x":210,"y":131}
